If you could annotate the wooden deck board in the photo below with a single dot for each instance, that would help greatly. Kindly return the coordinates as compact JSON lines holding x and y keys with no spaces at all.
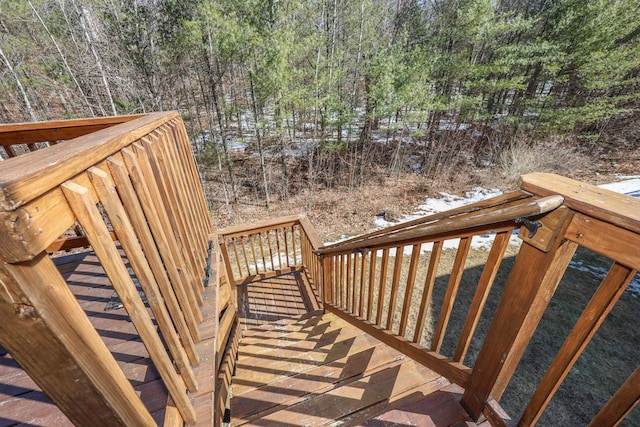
{"x":272,"y":299}
{"x":321,"y":370}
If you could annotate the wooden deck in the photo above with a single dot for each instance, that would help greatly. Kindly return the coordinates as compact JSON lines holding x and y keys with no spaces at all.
{"x":315,"y":369}
{"x":295,"y":366}
{"x":23,"y":403}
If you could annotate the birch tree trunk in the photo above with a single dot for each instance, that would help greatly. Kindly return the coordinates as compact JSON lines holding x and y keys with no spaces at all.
{"x":15,"y":76}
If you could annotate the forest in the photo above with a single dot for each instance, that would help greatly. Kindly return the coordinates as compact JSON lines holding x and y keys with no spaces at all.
{"x":284,"y":96}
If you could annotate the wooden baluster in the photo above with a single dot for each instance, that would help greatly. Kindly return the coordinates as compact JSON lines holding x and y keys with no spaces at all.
{"x":156,"y":216}
{"x":77,"y":366}
{"x":277,"y":237}
{"x":491,"y":266}
{"x":622,"y":402}
{"x":10,"y":151}
{"x":328,"y":279}
{"x":172,"y":203}
{"x":188,"y":159}
{"x":286,"y":246}
{"x":362,"y":276}
{"x":450,"y":295}
{"x":343,"y":299}
{"x":88,"y":215}
{"x":408,"y":294}
{"x":244,"y":254}
{"x":348,"y":281}
{"x":293,"y":245}
{"x":273,"y":265}
{"x":253,"y":253}
{"x":122,"y":226}
{"x":596,"y":311}
{"x":157,"y":189}
{"x":197,"y":236}
{"x":234,"y":244}
{"x":395,"y":281}
{"x":372,"y":279}
{"x":143,"y":231}
{"x":261,"y":242}
{"x":427,"y":291}
{"x":384,"y":265}
{"x":200,"y":230}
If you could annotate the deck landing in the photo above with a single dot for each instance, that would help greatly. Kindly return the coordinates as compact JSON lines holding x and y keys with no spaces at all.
{"x":318,"y":369}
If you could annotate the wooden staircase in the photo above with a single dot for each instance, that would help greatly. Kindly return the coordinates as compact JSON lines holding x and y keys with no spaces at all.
{"x":317,"y":369}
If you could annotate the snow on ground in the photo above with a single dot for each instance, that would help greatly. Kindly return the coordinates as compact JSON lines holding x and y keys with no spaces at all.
{"x":629,"y":185}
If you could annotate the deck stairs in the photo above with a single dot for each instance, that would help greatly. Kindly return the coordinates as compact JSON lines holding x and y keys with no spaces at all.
{"x":317,"y":369}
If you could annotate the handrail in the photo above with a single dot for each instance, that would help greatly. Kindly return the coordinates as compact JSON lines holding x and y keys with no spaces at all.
{"x":32,"y":132}
{"x":479,"y":218}
{"x":501,"y":200}
{"x":24,"y":178}
{"x":142,"y":174}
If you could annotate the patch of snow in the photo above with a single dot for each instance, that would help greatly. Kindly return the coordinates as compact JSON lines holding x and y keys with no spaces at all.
{"x":630,"y":185}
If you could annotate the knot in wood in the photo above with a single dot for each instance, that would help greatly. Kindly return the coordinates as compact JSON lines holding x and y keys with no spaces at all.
{"x":25,"y":311}
{"x":18,"y":222}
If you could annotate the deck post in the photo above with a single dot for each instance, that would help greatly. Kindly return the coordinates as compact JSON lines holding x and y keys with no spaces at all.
{"x":531,"y":284}
{"x":35,"y":302}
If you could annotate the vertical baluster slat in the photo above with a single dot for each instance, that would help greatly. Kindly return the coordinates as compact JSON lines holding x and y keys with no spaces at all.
{"x":142,"y":227}
{"x":594,"y":314}
{"x":129,"y":239}
{"x":372,"y":277}
{"x":395,"y":282}
{"x":450,"y":295}
{"x":499,"y":246}
{"x":427,"y":291}
{"x":146,"y":188}
{"x":408,"y":294}
{"x":384,"y":266}
{"x":88,"y":215}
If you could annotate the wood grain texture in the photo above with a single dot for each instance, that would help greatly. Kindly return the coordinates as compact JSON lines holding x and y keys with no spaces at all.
{"x":55,"y":130}
{"x":596,"y":311}
{"x":129,"y":240}
{"x":529,"y":288}
{"x":89,"y":217}
{"x":26,"y":177}
{"x":78,"y":367}
{"x":588,"y":199}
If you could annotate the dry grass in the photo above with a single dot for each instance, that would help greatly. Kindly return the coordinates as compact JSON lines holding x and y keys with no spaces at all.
{"x":553,"y":155}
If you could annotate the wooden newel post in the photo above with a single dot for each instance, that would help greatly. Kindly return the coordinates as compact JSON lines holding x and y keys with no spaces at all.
{"x":531,"y":284}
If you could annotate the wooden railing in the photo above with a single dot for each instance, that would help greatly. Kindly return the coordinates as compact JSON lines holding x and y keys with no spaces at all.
{"x":132,"y":187}
{"x":368,"y":282}
{"x":268,"y":248}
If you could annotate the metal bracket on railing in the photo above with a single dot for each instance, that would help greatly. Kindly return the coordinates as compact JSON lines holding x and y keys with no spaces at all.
{"x":532,"y":226}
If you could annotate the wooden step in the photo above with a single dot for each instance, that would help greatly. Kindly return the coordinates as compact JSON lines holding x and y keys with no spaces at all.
{"x":324,"y":371}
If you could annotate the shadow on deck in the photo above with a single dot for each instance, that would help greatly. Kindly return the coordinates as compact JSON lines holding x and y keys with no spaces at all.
{"x":297,"y":367}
